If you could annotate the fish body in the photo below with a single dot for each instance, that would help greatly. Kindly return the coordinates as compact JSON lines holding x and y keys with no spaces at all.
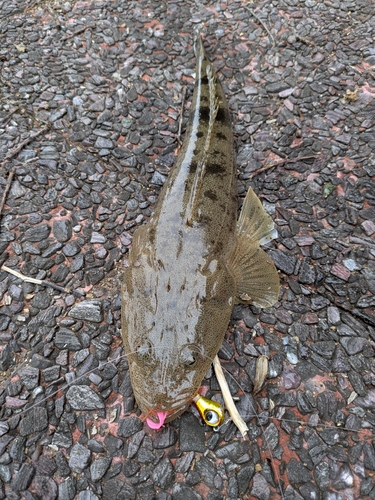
{"x":192,"y":261}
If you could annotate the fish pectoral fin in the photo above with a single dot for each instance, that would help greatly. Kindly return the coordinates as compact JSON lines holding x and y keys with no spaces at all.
{"x":256,"y":275}
{"x":254,"y":221}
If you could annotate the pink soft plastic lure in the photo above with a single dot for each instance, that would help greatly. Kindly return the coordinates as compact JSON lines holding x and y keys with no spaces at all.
{"x":156,"y":425}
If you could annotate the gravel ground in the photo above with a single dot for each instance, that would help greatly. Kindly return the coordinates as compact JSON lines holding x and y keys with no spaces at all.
{"x":102,"y":84}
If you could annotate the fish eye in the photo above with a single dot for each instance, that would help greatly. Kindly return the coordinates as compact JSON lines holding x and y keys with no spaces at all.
{"x":211,"y":417}
{"x":188,"y":356}
{"x":144,"y":351}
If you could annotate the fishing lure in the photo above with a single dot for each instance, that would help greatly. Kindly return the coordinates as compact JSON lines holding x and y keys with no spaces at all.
{"x":211,"y":412}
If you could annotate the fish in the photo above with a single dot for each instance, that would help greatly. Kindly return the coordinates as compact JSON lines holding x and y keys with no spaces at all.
{"x":193,"y":261}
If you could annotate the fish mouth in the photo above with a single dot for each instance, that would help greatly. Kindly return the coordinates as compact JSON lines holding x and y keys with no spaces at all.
{"x":170,"y":406}
{"x":156,"y":418}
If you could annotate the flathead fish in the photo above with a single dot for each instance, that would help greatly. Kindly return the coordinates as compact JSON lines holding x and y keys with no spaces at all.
{"x":193,"y":261}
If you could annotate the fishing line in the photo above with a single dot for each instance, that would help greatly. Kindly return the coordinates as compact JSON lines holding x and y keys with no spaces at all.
{"x":255,"y":415}
{"x":116,"y":360}
{"x":74,"y":382}
{"x":277,"y":476}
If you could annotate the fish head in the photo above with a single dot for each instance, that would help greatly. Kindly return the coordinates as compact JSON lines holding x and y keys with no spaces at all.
{"x":165,"y":379}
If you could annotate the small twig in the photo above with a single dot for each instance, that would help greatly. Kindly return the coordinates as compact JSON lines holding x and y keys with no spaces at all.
{"x":228,"y":400}
{"x":362,"y":241}
{"x":6,"y":118}
{"x":280,"y":162}
{"x":262,"y":23}
{"x":79,"y":31}
{"x":36,"y":281}
{"x":6,"y":190}
{"x":5,"y":82}
{"x":23,"y":144}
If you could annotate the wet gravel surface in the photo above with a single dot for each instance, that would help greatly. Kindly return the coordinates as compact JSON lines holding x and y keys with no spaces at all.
{"x":107,"y":79}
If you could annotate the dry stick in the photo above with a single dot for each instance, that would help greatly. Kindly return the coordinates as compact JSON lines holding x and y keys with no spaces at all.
{"x":24,"y":143}
{"x":261,"y":371}
{"x":280,"y":162}
{"x":361,"y":241}
{"x":228,"y":400}
{"x":79,"y":31}
{"x":5,"y":82}
{"x":262,"y":23}
{"x":6,"y":190}
{"x":36,"y":281}
{"x":68,"y":384}
{"x":6,"y":118}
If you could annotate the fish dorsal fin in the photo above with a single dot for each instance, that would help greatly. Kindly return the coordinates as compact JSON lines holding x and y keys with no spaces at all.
{"x":201,"y":167}
{"x":214,"y":106}
{"x":254,"y":221}
{"x":255,"y":273}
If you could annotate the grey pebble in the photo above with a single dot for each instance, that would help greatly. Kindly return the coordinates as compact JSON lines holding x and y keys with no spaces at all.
{"x":158,"y":179}
{"x":353,"y":345}
{"x":66,"y":339}
{"x":79,"y":458}
{"x":102,"y":143}
{"x":271,"y":437}
{"x":45,"y":487}
{"x":38,"y":233}
{"x":321,"y":475}
{"x":284,"y":262}
{"x":29,"y":376}
{"x":97,"y":238}
{"x":88,"y":310}
{"x":99,"y":467}
{"x":192,"y":437}
{"x":333,"y":315}
{"x":233,"y":450}
{"x":165,"y":438}
{"x":297,"y":472}
{"x":81,"y":397}
{"x":41,"y":300}
{"x":23,"y":478}
{"x":71,"y":249}
{"x":4,"y":428}
{"x":163,"y":474}
{"x":260,"y":488}
{"x":340,"y":362}
{"x":62,"y":230}
{"x":87,"y":495}
{"x":246,"y":407}
{"x":183,"y":492}
{"x":129,"y":426}
{"x":5,"y":474}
